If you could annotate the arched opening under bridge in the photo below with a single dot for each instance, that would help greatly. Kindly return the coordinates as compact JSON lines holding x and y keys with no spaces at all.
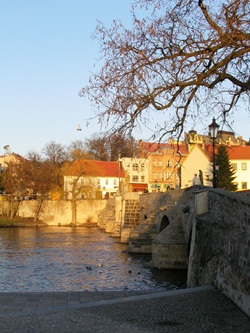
{"x":164,"y":223}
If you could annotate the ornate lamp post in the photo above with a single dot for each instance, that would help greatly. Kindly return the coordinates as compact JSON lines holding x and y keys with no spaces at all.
{"x":213,"y":131}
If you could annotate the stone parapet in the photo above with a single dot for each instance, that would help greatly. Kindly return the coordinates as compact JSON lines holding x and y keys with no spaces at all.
{"x":220,"y":244}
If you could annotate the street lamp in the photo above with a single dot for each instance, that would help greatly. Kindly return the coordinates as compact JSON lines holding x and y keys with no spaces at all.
{"x":119,"y":171}
{"x":213,"y":131}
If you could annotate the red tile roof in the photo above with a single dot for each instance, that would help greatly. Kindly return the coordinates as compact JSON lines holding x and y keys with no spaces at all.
{"x":94,"y":168}
{"x":239,"y":152}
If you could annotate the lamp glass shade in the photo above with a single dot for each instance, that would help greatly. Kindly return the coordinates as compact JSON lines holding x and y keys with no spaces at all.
{"x":213,"y":129}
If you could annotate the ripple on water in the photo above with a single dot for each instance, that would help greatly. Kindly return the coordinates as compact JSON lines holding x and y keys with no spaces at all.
{"x":79,"y":259}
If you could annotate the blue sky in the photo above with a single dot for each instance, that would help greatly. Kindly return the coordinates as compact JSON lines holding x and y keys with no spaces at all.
{"x":46,"y":57}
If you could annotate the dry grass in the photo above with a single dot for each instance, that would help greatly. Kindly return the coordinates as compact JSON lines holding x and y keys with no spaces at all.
{"x":17,"y":221}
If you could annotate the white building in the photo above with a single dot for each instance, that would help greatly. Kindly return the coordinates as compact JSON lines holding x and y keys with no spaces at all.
{"x":240,"y":159}
{"x":136,"y":173}
{"x":93,"y":179}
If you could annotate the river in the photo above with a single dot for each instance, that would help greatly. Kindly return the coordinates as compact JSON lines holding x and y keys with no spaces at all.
{"x":48,"y":259}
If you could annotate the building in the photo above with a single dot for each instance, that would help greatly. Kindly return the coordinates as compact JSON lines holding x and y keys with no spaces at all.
{"x":164,"y":161}
{"x":136,"y":174}
{"x":240,"y":159}
{"x":196,"y":162}
{"x":224,"y":138}
{"x":91,"y":179}
{"x":9,"y":158}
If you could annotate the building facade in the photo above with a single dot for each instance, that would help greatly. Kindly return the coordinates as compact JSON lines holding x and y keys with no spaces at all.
{"x":239,"y":157}
{"x":196,"y":162}
{"x":136,"y":170}
{"x":91,"y":179}
{"x":164,"y":161}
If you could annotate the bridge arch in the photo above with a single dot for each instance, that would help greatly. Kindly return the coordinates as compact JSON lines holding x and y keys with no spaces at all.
{"x":163,"y":223}
{"x":162,"y":220}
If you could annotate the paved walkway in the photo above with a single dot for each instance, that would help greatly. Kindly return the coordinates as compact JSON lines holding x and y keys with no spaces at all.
{"x":196,"y":310}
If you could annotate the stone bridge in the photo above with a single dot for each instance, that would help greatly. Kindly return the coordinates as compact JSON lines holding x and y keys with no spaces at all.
{"x":204,"y":230}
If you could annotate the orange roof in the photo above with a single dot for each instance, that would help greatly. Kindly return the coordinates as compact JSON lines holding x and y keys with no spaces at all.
{"x":94,"y":168}
{"x":239,"y":152}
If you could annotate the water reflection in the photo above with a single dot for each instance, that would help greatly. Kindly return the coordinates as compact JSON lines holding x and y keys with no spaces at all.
{"x":65,"y":259}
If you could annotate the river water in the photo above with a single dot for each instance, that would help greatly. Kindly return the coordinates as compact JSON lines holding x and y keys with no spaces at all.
{"x":75,"y":259}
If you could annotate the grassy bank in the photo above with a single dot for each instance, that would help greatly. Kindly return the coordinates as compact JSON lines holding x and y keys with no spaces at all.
{"x":5,"y":221}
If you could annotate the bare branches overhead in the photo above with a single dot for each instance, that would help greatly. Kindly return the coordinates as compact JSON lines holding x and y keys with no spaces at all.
{"x":186,"y":58}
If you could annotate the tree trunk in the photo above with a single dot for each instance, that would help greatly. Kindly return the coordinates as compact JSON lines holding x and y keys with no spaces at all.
{"x":13,"y":208}
{"x":39,"y":206}
{"x":73,"y":207}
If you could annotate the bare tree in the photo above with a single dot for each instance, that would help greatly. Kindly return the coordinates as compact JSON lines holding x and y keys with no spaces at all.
{"x":14,"y":186}
{"x":74,"y":187}
{"x":186,"y":59}
{"x":55,"y":153}
{"x":108,"y":147}
{"x":28,"y":179}
{"x":42,"y":177}
{"x":34,"y":156}
{"x":77,"y":150}
{"x":97,"y":147}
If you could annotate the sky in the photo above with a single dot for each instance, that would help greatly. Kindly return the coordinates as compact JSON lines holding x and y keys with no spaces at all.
{"x":47,"y":55}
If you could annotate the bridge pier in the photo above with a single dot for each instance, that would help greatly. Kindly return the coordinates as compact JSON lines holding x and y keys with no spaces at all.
{"x":169,"y":248}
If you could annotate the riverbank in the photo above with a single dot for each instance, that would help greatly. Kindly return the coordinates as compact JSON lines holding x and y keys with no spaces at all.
{"x":5,"y":222}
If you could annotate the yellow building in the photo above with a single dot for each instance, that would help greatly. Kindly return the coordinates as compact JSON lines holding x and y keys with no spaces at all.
{"x":196,"y":162}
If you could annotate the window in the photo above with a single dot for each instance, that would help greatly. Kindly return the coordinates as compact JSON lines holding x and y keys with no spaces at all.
{"x":244,"y":185}
{"x":115,"y":182}
{"x":168,"y":175}
{"x":154,"y":163}
{"x":98,"y":182}
{"x":142,"y":179}
{"x":160,"y":175}
{"x":160,"y":163}
{"x":169,"y":163}
{"x":135,"y":178}
{"x":154,"y":175}
{"x":243,"y":166}
{"x":106,"y":181}
{"x":236,"y":184}
{"x":142,"y":167}
{"x":234,"y":166}
{"x":135,"y":167}
{"x":82,"y":181}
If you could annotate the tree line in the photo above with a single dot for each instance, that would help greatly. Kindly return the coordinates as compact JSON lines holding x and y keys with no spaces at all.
{"x":102,"y":147}
{"x":40,"y":179}
{"x":40,"y":175}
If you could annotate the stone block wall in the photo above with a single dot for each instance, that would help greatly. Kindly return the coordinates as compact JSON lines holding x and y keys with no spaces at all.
{"x":220,"y":248}
{"x":107,"y":216}
{"x":169,"y":248}
{"x":157,"y":210}
{"x":58,"y":212}
{"x":131,"y":217}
